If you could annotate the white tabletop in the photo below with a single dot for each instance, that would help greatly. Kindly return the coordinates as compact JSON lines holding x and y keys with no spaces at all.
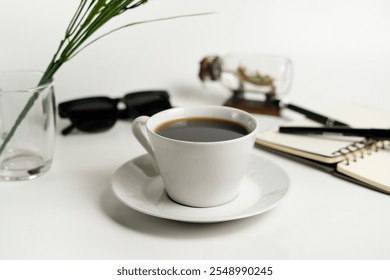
{"x":340,"y":53}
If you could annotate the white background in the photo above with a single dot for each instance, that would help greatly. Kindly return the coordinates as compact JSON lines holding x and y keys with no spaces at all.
{"x":340,"y":49}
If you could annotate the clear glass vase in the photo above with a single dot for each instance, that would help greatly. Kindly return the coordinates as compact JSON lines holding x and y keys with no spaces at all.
{"x":27,"y":125}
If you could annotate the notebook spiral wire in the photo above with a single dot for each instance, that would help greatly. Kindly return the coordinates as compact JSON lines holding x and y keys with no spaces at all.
{"x":361,"y":149}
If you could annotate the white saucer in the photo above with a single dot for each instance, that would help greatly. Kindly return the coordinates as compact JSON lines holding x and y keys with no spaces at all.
{"x":139,"y":186}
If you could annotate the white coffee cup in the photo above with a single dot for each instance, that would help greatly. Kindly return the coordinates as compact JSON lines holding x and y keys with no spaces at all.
{"x":199,"y":174}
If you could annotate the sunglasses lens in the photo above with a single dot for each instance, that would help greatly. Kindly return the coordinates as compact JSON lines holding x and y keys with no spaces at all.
{"x":92,"y":114}
{"x":146,"y":103}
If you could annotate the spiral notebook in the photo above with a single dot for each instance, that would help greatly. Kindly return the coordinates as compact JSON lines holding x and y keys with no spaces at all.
{"x":356,"y":159}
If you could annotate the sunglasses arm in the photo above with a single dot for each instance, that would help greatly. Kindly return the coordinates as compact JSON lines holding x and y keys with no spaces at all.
{"x":67,"y":130}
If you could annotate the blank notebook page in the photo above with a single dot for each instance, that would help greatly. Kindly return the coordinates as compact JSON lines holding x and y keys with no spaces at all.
{"x":372,"y":169}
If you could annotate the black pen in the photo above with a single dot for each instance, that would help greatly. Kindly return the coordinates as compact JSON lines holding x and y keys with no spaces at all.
{"x":327,"y":121}
{"x":380,"y":134}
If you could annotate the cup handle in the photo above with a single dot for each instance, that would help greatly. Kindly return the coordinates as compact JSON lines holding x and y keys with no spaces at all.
{"x":137,"y":128}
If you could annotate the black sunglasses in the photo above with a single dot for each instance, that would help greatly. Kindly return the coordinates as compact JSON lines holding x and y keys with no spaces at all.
{"x":95,"y":114}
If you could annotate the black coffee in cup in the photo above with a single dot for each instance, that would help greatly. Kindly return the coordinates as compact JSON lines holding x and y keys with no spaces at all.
{"x":202,"y":129}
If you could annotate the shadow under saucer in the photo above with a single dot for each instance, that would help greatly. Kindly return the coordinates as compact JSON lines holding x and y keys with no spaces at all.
{"x":155,"y":226}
